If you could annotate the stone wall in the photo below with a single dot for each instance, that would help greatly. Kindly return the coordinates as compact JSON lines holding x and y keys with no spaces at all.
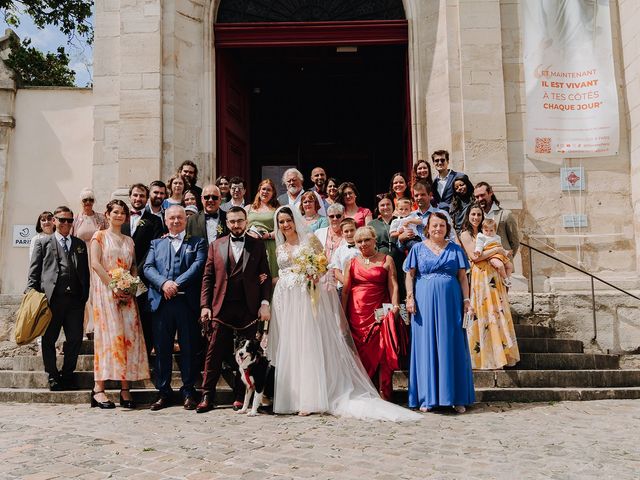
{"x":49,"y":163}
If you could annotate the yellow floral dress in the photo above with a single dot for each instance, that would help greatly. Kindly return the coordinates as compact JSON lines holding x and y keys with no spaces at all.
{"x":118,"y":342}
{"x":492,"y":338}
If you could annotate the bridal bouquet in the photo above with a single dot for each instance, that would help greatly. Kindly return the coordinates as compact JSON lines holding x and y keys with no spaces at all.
{"x":121,"y":279}
{"x":311,"y":265}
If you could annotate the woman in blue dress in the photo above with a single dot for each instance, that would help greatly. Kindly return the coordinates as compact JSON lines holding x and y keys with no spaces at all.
{"x":440,"y":366}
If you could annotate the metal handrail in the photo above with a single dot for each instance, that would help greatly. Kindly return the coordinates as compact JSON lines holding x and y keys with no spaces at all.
{"x":591,"y":275}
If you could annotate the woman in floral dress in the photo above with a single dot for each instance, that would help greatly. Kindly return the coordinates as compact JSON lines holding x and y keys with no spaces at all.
{"x":120,"y":352}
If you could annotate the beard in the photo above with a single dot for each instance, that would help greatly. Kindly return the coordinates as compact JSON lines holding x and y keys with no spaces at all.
{"x":293,"y":190}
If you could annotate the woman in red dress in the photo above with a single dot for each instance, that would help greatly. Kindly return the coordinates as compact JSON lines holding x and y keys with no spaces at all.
{"x":370,"y":281}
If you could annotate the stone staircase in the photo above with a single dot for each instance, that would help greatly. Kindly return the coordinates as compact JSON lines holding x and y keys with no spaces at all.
{"x":551,"y":369}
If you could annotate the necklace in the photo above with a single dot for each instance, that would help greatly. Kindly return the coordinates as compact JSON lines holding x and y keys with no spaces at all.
{"x":367,"y":260}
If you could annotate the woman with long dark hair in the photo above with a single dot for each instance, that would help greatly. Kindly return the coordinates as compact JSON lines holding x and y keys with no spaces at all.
{"x":119,"y":349}
{"x":462,"y":199}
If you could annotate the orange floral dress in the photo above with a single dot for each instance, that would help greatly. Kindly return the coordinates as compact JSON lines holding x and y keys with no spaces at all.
{"x":118,"y":342}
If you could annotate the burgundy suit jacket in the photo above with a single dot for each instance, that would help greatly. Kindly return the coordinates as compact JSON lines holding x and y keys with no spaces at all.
{"x":254,"y":263}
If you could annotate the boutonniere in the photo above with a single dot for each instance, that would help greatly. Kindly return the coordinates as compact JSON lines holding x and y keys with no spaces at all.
{"x":80,"y":250}
{"x":142,"y":223}
{"x":186,"y":238}
{"x":220,"y":229}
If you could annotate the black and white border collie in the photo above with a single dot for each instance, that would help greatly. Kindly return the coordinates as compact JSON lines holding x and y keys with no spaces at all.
{"x":256,"y":373}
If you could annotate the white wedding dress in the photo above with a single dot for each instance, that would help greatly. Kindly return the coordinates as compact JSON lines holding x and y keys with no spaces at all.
{"x":317,"y":367}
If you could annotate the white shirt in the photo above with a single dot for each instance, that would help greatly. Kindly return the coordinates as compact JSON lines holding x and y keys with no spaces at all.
{"x":134,"y":220}
{"x":492,"y":211}
{"x":442,"y":182}
{"x":176,"y":243}
{"x":212,"y":228}
{"x":482,"y":241}
{"x":67,"y":240}
{"x":342,"y":256}
{"x":396,"y":223}
{"x":236,"y":248}
{"x":295,"y":202}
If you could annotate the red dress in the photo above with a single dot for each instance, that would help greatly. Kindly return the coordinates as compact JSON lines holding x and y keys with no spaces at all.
{"x":369,"y":290}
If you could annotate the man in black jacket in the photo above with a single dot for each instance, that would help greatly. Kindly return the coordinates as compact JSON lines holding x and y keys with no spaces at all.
{"x":211,"y":223}
{"x":143,"y":226}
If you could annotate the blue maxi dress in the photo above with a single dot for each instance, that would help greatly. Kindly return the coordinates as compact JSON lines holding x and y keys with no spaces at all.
{"x":440,"y":366}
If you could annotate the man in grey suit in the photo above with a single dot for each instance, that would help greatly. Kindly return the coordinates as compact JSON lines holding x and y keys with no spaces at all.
{"x":60,"y":268}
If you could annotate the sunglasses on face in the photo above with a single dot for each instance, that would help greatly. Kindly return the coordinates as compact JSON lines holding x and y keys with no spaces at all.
{"x":88,"y":200}
{"x":64,"y":220}
{"x":211,"y":197}
{"x":439,"y":160}
{"x":335,"y":216}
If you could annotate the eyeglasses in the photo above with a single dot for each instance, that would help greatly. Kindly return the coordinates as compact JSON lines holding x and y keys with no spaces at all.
{"x":88,"y":200}
{"x":335,"y":216}
{"x":64,"y":220}
{"x":211,"y":197}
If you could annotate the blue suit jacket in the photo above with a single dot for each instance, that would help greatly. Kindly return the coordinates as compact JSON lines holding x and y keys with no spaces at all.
{"x":157,"y":267}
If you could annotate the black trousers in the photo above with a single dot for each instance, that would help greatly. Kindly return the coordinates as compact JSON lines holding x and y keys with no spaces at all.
{"x":68,"y":314}
{"x":146,"y":319}
{"x":221,"y":343}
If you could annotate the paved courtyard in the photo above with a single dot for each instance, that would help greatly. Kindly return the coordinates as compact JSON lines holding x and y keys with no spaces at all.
{"x":585,"y":440}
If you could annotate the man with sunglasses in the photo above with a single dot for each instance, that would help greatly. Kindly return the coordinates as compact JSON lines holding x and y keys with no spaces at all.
{"x":211,"y":223}
{"x":60,"y":268}
{"x":443,"y":183}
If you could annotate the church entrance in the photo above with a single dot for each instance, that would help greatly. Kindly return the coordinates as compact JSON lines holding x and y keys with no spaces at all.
{"x":306,"y":94}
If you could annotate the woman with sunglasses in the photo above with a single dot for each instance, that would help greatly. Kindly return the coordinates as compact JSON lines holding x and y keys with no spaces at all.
{"x":44,"y":227}
{"x":331,"y":237}
{"x":348,"y":196}
{"x":85,"y":224}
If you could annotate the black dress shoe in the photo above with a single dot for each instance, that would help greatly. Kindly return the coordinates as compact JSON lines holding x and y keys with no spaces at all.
{"x":126,"y":403}
{"x":190,"y":403}
{"x":104,"y":405}
{"x":162,"y":402}
{"x":55,"y":385}
{"x":205,"y":404}
{"x":68,"y":384}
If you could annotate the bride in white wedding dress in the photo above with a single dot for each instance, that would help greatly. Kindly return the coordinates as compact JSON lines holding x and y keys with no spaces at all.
{"x":317,"y":366}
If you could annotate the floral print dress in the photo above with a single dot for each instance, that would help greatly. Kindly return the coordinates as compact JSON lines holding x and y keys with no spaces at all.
{"x":120,"y":352}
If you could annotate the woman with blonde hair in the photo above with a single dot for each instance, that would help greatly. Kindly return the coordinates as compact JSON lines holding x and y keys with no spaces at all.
{"x":85,"y":224}
{"x":260,"y":220}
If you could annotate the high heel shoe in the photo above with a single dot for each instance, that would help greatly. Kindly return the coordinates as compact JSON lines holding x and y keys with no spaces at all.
{"x":96,"y":403}
{"x":126,"y":403}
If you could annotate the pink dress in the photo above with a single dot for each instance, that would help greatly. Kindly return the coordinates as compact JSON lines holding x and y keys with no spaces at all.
{"x":120,"y":352}
{"x":361,"y":216}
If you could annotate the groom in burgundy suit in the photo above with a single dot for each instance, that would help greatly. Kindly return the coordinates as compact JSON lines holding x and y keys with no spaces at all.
{"x":236,"y":289}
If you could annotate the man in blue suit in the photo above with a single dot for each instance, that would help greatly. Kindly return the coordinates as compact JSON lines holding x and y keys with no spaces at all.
{"x":174,"y":268}
{"x":443,"y":183}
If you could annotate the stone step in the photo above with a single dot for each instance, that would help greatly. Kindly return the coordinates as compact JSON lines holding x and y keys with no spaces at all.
{"x":549,"y":345}
{"x":543,"y":379}
{"x":566,"y":361}
{"x":224,"y":396}
{"x":533,"y":331}
{"x":84,"y":380}
{"x":526,"y":395}
{"x":85,"y":363}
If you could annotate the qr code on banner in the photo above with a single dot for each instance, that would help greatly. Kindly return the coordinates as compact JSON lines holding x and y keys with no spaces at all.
{"x":543,"y":144}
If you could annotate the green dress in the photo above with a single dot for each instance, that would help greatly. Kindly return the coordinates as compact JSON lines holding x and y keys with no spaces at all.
{"x":262,"y":221}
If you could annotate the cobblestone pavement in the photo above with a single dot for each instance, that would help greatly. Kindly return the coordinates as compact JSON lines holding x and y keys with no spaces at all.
{"x":585,"y":440}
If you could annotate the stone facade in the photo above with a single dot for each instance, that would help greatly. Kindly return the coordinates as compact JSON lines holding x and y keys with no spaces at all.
{"x":155,"y":106}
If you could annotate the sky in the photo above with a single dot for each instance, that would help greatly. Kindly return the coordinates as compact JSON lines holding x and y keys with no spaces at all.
{"x":49,"y":39}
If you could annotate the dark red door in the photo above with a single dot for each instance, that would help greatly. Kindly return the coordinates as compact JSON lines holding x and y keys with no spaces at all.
{"x":233,"y":118}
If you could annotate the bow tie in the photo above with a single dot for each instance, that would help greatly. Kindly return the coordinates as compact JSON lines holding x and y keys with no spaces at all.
{"x":237,"y":239}
{"x":135,"y":212}
{"x":207,"y":216}
{"x":351,"y":246}
{"x":173,"y":237}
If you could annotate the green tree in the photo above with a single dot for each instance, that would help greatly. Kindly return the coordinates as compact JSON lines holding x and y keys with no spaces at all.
{"x":34,"y":68}
{"x":70,"y":16}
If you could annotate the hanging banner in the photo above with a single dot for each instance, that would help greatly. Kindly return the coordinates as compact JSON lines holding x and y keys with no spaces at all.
{"x":572,"y":102}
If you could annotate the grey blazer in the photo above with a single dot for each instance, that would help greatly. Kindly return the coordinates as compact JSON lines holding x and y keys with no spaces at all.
{"x":44,"y":267}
